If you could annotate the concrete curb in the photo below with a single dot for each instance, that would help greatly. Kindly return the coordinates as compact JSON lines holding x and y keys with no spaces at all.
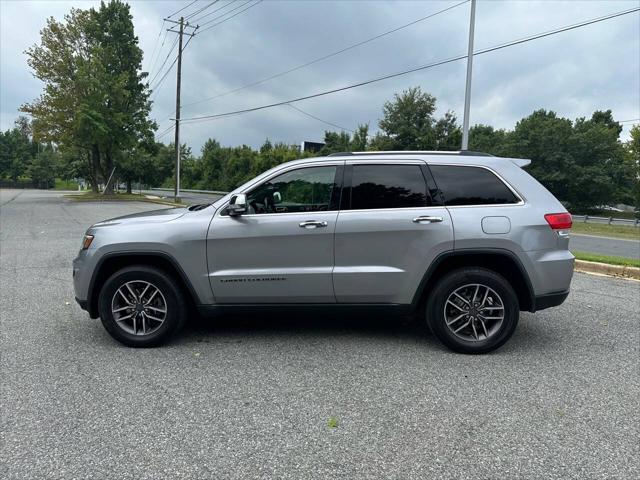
{"x":607,"y":269}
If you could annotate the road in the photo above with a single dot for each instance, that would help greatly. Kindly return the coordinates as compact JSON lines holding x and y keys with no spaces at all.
{"x":244,"y":398}
{"x":605,"y":246}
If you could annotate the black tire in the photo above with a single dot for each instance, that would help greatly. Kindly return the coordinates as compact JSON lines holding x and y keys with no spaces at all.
{"x":435,"y":309}
{"x":176,"y":307}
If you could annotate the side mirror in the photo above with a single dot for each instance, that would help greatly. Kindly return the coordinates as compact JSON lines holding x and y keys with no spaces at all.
{"x":237,"y":205}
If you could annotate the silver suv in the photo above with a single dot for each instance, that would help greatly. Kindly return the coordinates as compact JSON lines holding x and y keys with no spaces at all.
{"x":466,"y":239}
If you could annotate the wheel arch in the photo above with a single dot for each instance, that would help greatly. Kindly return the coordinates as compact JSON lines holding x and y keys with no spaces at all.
{"x":501,"y":261}
{"x":112,"y":262}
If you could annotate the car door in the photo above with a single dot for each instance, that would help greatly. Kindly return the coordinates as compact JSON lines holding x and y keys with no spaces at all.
{"x":390,"y":228}
{"x":281,"y":250}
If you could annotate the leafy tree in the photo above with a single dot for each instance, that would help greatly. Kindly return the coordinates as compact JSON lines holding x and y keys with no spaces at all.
{"x":633,"y":160}
{"x":94,"y":97}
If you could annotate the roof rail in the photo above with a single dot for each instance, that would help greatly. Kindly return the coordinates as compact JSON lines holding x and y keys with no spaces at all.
{"x":462,"y":153}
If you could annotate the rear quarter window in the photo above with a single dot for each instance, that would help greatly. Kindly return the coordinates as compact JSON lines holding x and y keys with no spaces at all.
{"x":471,"y":186}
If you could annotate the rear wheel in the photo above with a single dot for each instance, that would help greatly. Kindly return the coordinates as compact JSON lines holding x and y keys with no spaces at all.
{"x":141,"y":306}
{"x":473,"y":310}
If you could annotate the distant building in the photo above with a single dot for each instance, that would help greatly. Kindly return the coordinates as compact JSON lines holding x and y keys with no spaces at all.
{"x":313,"y":147}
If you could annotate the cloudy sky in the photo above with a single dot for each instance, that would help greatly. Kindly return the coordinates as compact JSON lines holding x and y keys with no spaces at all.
{"x":573,"y":73}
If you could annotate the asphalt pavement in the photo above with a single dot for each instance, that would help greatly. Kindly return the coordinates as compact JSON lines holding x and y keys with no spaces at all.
{"x":606,"y":246}
{"x":251,"y":397}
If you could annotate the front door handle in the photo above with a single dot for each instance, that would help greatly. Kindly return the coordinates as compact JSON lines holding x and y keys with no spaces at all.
{"x":312,"y":224}
{"x":427,"y":219}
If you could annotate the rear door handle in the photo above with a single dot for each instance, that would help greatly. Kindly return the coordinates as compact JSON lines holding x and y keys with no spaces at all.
{"x":427,"y":219}
{"x":312,"y":224}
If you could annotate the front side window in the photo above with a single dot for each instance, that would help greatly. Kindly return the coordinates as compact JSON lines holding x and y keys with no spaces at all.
{"x":471,"y":186}
{"x":388,"y":186}
{"x":301,"y":190}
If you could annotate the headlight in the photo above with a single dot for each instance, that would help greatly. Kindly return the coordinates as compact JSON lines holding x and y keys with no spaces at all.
{"x":86,"y":241}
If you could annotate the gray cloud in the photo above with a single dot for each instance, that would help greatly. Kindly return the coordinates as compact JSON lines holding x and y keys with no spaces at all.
{"x":574,"y":73}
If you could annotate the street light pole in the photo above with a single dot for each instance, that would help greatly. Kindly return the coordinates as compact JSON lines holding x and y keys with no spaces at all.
{"x":467,"y":93}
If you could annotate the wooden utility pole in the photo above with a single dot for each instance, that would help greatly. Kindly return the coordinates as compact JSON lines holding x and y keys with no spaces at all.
{"x":176,"y":192}
{"x":182,"y":25}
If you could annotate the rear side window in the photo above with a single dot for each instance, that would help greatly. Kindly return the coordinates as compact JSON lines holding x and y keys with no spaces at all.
{"x":471,"y":186}
{"x":388,"y":186}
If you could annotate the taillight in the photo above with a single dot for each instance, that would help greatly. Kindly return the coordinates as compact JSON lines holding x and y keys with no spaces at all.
{"x":559,"y":221}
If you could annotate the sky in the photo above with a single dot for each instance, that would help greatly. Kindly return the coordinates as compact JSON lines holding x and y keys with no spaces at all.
{"x":596,"y":67}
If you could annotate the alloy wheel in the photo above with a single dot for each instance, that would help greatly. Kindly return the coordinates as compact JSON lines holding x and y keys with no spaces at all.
{"x":474,"y":312}
{"x":139,"y":307}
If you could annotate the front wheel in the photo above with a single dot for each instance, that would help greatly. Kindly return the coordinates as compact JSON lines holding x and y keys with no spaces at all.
{"x":141,"y":306}
{"x":473,"y":310}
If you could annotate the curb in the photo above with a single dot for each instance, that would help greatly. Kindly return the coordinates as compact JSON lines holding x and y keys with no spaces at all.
{"x":607,"y":269}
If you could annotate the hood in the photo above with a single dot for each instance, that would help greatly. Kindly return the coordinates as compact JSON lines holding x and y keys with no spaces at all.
{"x":154,"y":216}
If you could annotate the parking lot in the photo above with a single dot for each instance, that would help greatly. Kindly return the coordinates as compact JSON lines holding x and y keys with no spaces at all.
{"x":251,"y":397}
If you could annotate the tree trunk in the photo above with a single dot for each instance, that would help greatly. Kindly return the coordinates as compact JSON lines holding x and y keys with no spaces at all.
{"x":129,"y":186}
{"x":96,"y":168}
{"x":108,"y":186}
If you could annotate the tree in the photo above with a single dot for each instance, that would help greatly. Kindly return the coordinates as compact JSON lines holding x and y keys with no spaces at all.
{"x":633,"y":159}
{"x":94,"y":97}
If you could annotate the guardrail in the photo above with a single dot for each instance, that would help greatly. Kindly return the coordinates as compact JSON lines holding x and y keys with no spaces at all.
{"x":212,"y":192}
{"x":606,"y":220}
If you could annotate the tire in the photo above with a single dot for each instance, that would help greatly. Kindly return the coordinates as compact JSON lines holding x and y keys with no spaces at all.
{"x":140,"y":330}
{"x":484,"y":332}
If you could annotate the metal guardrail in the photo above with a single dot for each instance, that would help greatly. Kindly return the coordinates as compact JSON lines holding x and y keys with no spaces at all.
{"x":606,"y":220}
{"x":212,"y":192}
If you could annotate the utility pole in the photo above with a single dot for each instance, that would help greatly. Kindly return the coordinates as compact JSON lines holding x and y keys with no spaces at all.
{"x":176,"y":192}
{"x":181,"y":24}
{"x":467,"y":93}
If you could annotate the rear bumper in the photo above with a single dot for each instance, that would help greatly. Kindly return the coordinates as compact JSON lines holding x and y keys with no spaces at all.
{"x":549,"y":300}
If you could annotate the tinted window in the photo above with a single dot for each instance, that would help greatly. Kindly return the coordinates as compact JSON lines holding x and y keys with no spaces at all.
{"x":471,"y":186}
{"x":302,"y":190}
{"x":388,"y":186}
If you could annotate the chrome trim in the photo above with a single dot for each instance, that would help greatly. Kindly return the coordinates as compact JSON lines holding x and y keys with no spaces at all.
{"x":427,"y":218}
{"x":311,"y":224}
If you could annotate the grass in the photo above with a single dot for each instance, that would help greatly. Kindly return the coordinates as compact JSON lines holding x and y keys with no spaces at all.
{"x":604,"y":230}
{"x":594,"y":257}
{"x":118,"y":197}
{"x":65,"y":185}
{"x":332,"y":422}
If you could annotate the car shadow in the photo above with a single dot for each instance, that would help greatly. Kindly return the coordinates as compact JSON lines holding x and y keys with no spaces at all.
{"x":328,"y":325}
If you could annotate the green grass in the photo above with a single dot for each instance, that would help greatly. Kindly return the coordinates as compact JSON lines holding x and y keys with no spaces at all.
{"x":604,"y":230}
{"x":65,"y":185}
{"x":118,"y":197}
{"x":594,"y":257}
{"x":332,"y":422}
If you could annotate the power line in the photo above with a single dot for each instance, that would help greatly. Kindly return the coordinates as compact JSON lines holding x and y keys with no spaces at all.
{"x":631,"y":120}
{"x":319,"y":119}
{"x":165,"y":61}
{"x":164,"y":132}
{"x":159,"y":84}
{"x":227,"y":13}
{"x":183,"y":8}
{"x":213,"y":11}
{"x":324,"y":57}
{"x":191,"y":15}
{"x":423,"y":67}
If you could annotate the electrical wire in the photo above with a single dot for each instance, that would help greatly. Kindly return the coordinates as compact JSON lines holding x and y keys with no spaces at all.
{"x":197,"y":12}
{"x":324,"y":57}
{"x":212,"y":12}
{"x":423,"y":67}
{"x":164,"y":132}
{"x":631,"y":120}
{"x":159,"y":84}
{"x":165,"y":61}
{"x":318,"y":119}
{"x":229,"y":18}
{"x":183,"y":8}
{"x":227,"y":13}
